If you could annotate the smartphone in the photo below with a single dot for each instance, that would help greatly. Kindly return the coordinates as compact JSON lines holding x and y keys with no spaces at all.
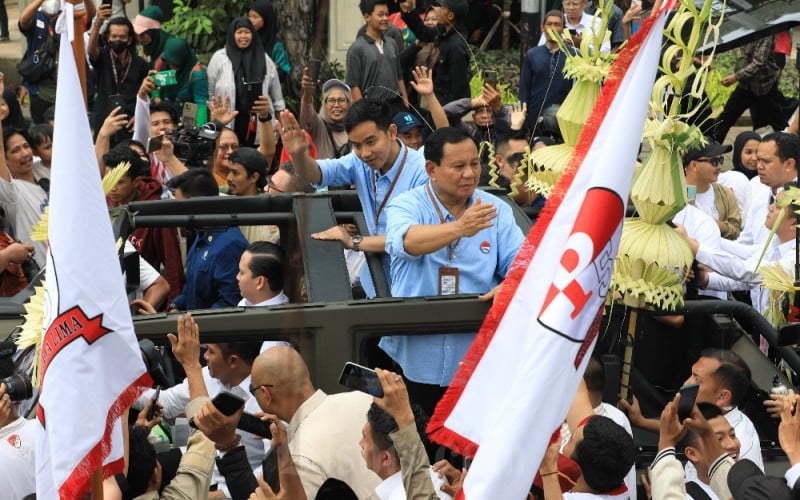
{"x":106,"y":2}
{"x":254,"y":425}
{"x":189,"y":116}
{"x":314,"y":65}
{"x":154,"y":143}
{"x":269,"y":469}
{"x":152,"y":413}
{"x":165,"y":78}
{"x":227,"y":403}
{"x":361,"y":379}
{"x":688,"y":397}
{"x":573,"y":33}
{"x":490,"y":77}
{"x":253,"y":90}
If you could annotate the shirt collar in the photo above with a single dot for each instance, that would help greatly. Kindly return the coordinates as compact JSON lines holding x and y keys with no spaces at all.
{"x":306,"y":409}
{"x":392,"y":173}
{"x":444,"y":210}
{"x":390,"y":485}
{"x":281,"y":298}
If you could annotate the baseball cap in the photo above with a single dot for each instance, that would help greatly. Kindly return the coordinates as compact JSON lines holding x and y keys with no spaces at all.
{"x":710,"y":150}
{"x":405,"y":121}
{"x":251,"y":159}
{"x":333,"y":82}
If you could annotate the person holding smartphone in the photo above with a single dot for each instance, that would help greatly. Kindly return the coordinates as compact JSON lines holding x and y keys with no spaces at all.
{"x":240,"y":73}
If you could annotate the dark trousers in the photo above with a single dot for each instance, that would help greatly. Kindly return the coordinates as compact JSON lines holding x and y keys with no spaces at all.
{"x":764,"y":109}
{"x":3,"y":19}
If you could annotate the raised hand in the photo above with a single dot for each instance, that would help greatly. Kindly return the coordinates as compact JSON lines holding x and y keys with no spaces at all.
{"x":423,"y":80}
{"x":294,"y":139}
{"x":476,"y":218}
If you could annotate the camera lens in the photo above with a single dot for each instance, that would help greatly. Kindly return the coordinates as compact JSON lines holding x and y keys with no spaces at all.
{"x":18,"y":387}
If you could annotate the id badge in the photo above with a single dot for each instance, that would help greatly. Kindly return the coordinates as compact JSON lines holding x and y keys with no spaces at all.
{"x":448,"y":280}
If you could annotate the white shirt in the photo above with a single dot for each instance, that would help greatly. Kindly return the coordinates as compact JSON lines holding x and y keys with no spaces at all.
{"x":24,"y":203}
{"x":750,"y":444}
{"x":392,"y":487}
{"x":705,"y":202}
{"x":175,"y":399}
{"x":740,"y":185}
{"x":706,"y":489}
{"x":755,"y":213}
{"x":17,"y":464}
{"x":701,"y":227}
{"x":281,"y":298}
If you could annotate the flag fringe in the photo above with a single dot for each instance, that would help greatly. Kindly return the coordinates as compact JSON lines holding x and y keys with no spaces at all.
{"x":437,"y":431}
{"x":77,"y":484}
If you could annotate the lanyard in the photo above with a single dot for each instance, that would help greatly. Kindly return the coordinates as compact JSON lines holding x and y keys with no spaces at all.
{"x":117,"y":81}
{"x":391,"y":187}
{"x":451,"y":248}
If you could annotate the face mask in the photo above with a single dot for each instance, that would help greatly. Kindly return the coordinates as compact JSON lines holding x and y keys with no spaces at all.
{"x":118,"y":46}
{"x":51,"y":7}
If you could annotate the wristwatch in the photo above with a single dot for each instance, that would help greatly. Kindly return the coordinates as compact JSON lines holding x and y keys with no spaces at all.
{"x":266,"y":118}
{"x":356,"y":240}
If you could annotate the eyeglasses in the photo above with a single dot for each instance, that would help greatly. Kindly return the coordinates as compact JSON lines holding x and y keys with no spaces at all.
{"x":331,"y":101}
{"x":253,"y":389}
{"x":572,"y":2}
{"x":228,"y":147}
{"x":272,"y":187}
{"x":715,"y":162}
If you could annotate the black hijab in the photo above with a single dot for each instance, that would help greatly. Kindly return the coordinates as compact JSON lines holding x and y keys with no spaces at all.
{"x":269,"y":32}
{"x":15,"y":119}
{"x":249,"y":64}
{"x":738,"y":146}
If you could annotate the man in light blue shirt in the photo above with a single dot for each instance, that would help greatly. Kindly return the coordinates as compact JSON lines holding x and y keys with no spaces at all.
{"x":445,"y":239}
{"x":379,"y":165}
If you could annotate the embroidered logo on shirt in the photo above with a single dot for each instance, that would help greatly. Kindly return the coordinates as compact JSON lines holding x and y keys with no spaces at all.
{"x":485,"y":246}
{"x":15,"y":441}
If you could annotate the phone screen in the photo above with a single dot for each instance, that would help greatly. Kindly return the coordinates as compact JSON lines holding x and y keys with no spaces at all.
{"x":490,"y":77}
{"x":361,"y":379}
{"x":253,"y":92}
{"x":269,"y":469}
{"x":688,"y":397}
{"x":313,"y":69}
{"x":189,"y":117}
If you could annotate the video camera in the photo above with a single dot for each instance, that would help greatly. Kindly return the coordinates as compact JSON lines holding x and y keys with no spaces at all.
{"x":194,"y":146}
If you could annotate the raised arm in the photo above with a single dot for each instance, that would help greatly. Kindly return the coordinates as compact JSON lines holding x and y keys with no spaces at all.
{"x":28,"y":15}
{"x":103,"y":13}
{"x":266,"y":145}
{"x":423,"y":85}
{"x":296,"y":144}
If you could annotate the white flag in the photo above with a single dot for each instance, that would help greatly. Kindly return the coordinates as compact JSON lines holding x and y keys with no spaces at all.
{"x":91,"y":367}
{"x":521,"y":372}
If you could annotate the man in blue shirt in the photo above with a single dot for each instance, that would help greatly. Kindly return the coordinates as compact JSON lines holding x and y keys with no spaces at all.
{"x":445,"y":239}
{"x":379,"y":165}
{"x":541,"y":81}
{"x":212,"y":262}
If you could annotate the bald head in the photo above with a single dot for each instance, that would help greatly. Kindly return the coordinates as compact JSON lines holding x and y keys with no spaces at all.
{"x":284,"y":368}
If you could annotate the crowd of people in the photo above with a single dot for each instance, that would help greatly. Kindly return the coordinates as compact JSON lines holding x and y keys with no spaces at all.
{"x":404,"y":132}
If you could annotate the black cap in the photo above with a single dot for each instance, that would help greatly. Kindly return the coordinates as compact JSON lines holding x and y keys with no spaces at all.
{"x":710,"y":150}
{"x":251,"y":159}
{"x":747,"y":481}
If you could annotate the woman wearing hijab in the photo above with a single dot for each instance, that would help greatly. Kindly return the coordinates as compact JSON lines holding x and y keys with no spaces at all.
{"x":147,"y":25}
{"x":738,"y":179}
{"x":241,"y":72}
{"x":262,"y":15}
{"x":326,"y":127}
{"x":192,"y":79}
{"x":11,"y":113}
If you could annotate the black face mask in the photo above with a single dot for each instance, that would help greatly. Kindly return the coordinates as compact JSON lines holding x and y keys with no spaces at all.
{"x":118,"y":46}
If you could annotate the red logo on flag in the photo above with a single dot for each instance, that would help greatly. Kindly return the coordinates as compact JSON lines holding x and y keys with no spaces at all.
{"x":584,"y":268}
{"x":69,"y":326}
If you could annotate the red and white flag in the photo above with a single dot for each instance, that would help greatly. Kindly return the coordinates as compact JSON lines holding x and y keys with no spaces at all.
{"x":520,"y":375}
{"x":91,"y":367}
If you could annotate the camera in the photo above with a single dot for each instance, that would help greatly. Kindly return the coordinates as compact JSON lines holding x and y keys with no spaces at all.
{"x":18,"y":387}
{"x":194,"y":146}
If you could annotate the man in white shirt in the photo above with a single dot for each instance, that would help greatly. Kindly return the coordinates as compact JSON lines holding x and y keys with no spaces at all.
{"x":228,"y":369}
{"x":261,"y":275}
{"x":381,"y":456}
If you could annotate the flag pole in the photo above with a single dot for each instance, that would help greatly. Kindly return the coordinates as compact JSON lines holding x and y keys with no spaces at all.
{"x":627,"y":360}
{"x":78,"y":46}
